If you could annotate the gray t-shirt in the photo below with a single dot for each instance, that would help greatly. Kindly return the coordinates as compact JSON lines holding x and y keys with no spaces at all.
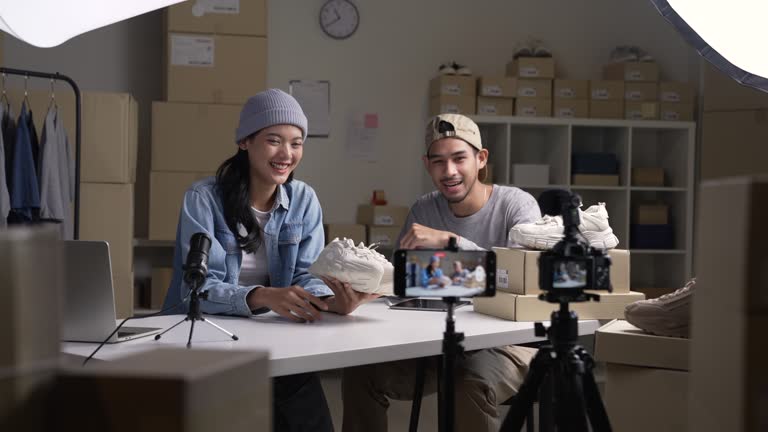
{"x":506,"y":207}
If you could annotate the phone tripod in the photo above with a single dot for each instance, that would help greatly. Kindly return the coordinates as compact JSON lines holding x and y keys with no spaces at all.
{"x":194,"y":314}
{"x":573,"y":398}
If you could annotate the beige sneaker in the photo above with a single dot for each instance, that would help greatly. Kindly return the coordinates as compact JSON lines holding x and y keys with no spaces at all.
{"x":668,"y":315}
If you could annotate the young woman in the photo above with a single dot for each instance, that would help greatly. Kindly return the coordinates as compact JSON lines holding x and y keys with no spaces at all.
{"x":266,"y":230}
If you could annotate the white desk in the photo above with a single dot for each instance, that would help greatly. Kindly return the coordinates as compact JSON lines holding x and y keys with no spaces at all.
{"x":372,"y":334}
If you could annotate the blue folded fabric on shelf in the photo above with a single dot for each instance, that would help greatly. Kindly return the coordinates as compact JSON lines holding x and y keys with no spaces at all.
{"x":651,"y":236}
{"x":594,"y":163}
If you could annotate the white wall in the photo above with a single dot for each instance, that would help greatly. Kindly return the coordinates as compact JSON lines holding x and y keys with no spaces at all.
{"x":385,"y":68}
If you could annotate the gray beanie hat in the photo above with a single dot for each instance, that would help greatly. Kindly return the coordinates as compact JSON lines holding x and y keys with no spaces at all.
{"x":268,"y":108}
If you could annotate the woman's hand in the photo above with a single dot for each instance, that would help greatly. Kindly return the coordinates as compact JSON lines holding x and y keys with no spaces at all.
{"x":293,"y":302}
{"x":345,"y":300}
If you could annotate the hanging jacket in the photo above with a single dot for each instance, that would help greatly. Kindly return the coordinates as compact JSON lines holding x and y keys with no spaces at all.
{"x":8,"y":125}
{"x":24,"y":191}
{"x":5,"y":199}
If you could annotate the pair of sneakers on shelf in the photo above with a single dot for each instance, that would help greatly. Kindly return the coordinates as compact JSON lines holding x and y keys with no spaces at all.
{"x":629,"y":53}
{"x":547,"y":231}
{"x":361,"y":266}
{"x":668,"y":315}
{"x":453,"y":68}
{"x":531,"y":47}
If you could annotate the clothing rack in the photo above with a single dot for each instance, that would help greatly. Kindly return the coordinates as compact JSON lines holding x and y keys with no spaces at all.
{"x":59,"y":77}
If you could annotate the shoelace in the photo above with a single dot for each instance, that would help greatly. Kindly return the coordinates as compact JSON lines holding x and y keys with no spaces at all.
{"x":679,"y":291}
{"x":546,"y":220}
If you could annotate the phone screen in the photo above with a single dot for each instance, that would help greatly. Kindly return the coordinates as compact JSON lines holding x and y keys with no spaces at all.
{"x":441,"y":273}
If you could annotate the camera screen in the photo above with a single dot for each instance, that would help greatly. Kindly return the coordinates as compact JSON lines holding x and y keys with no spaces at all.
{"x":569,"y":274}
{"x":440,"y":273}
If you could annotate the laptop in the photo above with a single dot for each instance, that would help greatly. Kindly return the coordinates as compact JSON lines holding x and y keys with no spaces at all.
{"x":89,"y":298}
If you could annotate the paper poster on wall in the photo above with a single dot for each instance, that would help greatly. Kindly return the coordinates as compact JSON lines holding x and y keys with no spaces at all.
{"x":362,"y":135}
{"x":315,"y":99}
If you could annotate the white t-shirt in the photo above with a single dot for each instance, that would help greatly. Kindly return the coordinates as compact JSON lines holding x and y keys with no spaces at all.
{"x":254,"y":270}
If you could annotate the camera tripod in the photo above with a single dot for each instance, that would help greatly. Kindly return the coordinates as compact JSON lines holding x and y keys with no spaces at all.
{"x":194,"y":314}
{"x":566,"y":367}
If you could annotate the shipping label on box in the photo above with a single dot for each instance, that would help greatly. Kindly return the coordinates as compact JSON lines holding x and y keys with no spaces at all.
{"x":384,"y":236}
{"x":193,"y":50}
{"x":492,"y":86}
{"x":641,"y":110}
{"x":676,"y":92}
{"x":571,"y":108}
{"x":606,"y":90}
{"x":495,"y":106}
{"x":606,"y":109}
{"x":453,"y":85}
{"x":447,"y":104}
{"x":571,"y":89}
{"x":236,"y":17}
{"x":641,"y":91}
{"x":631,"y":71}
{"x":533,"y":107}
{"x":530,"y":88}
{"x":532,"y":67}
{"x":676,"y":111}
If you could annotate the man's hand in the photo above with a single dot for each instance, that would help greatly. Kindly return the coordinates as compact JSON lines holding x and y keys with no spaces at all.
{"x":293,"y":302}
{"x":421,"y":237}
{"x":345,"y":300}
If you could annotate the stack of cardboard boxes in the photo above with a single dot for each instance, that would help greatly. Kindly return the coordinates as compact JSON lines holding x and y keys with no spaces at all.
{"x":534,"y":85}
{"x":452,"y":94}
{"x":517,"y":289}
{"x":383,"y":223}
{"x":571,"y":98}
{"x":496,"y":95}
{"x":216,"y":57}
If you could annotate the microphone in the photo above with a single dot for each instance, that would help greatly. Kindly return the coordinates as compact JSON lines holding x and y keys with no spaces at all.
{"x":196,"y":268}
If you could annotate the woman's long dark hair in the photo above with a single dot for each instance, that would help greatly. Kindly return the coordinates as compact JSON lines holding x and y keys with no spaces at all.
{"x":233,"y":182}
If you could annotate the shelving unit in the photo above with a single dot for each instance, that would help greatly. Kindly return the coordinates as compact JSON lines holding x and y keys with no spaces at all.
{"x":636,"y":143}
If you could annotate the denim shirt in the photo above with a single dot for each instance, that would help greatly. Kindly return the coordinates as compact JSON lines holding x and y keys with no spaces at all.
{"x":293,"y":238}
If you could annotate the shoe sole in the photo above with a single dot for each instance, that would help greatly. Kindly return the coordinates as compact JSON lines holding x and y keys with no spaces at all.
{"x":599,"y":240}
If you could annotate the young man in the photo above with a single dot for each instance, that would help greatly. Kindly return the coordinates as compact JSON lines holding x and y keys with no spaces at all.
{"x":480,"y":216}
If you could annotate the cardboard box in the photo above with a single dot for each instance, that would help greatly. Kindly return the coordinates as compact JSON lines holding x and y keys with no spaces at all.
{"x":534,"y":88}
{"x":571,"y":108}
{"x":387,"y":215}
{"x":595,"y":180}
{"x":641,"y":110}
{"x":246,"y":18}
{"x":495,"y":106}
{"x":214,"y":68}
{"x":166,"y":193}
{"x":571,"y":89}
{"x":651,"y":214}
{"x":161,"y":281}
{"x":641,"y":91}
{"x":606,"y":90}
{"x":517,"y":270}
{"x":640,"y":399}
{"x":724,"y":156}
{"x":497,"y":86}
{"x":515,"y":307}
{"x":106,"y":213}
{"x":32,"y":277}
{"x":722,"y":93}
{"x":173,"y":390}
{"x":530,"y":174}
{"x":385,"y":237}
{"x":533,"y":107}
{"x":532,"y":67}
{"x":675,"y":111}
{"x":631,"y":71}
{"x":453,"y":85}
{"x":192,"y":137}
{"x":603,"y":109}
{"x":678,"y":92}
{"x":355,"y":232}
{"x":447,"y":104}
{"x":621,"y":342}
{"x":648,"y":177}
{"x":110,"y":129}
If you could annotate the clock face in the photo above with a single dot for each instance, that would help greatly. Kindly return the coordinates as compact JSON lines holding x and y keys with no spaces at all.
{"x":339,"y":18}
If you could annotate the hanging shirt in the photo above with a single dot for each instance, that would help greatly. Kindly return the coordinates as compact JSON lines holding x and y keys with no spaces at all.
{"x":254,"y":270}
{"x":5,"y":199}
{"x":8,"y":125}
{"x":34,"y":142}
{"x":55,"y":196}
{"x":23,"y":188}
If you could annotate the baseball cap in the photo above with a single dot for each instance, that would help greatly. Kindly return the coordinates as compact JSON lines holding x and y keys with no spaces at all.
{"x":455,"y":126}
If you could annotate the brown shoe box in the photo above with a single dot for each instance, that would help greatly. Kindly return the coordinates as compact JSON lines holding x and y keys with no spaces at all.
{"x":515,"y":307}
{"x":621,"y":342}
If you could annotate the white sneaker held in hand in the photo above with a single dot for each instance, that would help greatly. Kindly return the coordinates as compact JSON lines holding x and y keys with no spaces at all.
{"x":360,"y":266}
{"x":547,"y":231}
